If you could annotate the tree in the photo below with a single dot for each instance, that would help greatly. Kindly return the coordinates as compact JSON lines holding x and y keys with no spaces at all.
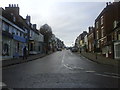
{"x":47,"y":32}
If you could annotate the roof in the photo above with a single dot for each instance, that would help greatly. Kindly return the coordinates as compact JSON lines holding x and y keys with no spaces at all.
{"x":20,"y":21}
{"x":108,"y":7}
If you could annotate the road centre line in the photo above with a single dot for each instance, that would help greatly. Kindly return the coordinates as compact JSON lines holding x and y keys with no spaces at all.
{"x":89,"y":71}
{"x":63,"y":58}
{"x":68,"y":66}
{"x":65,"y":64}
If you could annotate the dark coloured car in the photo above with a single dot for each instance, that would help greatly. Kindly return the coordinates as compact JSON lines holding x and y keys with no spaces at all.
{"x":74,"y":49}
{"x":59,"y":49}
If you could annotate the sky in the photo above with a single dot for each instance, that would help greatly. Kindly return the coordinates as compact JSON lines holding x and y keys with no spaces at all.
{"x":67,"y":18}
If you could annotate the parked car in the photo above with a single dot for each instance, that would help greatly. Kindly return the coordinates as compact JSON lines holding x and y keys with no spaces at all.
{"x":74,"y":49}
{"x":59,"y":49}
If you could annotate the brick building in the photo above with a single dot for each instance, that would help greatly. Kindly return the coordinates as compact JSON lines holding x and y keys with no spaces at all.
{"x":80,"y":41}
{"x":104,"y":25}
{"x":91,"y":39}
{"x":116,"y":41}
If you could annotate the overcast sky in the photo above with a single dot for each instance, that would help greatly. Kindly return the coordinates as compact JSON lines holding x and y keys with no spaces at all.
{"x":67,"y":18}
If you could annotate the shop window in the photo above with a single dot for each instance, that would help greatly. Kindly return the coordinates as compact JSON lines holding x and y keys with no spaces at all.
{"x":31,"y":47}
{"x":18,"y":33}
{"x":21,"y":34}
{"x":117,"y":51}
{"x":118,"y":35}
{"x":5,"y":27}
{"x":10,"y":29}
{"x":18,"y":46}
{"x":14,"y":31}
{"x":5,"y":50}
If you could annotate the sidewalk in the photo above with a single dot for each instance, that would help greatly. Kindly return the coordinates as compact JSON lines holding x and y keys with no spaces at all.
{"x":101,"y":59}
{"x":20,"y":60}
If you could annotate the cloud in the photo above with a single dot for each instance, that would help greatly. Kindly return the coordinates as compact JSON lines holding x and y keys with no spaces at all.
{"x":71,"y":19}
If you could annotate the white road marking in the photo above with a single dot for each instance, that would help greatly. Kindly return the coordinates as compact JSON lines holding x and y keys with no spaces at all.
{"x":89,"y":71}
{"x":68,"y":67}
{"x":63,"y":58}
{"x":64,"y":64}
{"x":77,"y":67}
{"x":107,"y":75}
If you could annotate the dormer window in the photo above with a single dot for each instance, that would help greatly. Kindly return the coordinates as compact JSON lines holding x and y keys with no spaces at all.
{"x":11,"y":14}
{"x":14,"y":19}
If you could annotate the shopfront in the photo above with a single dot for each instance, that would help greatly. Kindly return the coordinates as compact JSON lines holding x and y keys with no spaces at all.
{"x":117,"y":50}
{"x":6,"y":46}
{"x":19,"y":43}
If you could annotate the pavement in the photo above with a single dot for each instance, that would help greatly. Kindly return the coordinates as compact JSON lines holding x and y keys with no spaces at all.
{"x":61,"y":69}
{"x":19,"y":60}
{"x":101,"y":59}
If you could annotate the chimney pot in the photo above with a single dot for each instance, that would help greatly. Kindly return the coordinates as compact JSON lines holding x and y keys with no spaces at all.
{"x":107,"y":3}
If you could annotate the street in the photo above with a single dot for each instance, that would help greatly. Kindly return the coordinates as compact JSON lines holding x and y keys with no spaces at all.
{"x":62,"y":69}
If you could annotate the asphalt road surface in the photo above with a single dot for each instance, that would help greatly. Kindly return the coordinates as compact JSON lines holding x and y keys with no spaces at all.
{"x":62,"y":69}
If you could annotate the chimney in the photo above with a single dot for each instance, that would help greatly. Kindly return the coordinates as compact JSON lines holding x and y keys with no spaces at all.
{"x":28,"y":19}
{"x":34,"y":26}
{"x":9,"y":5}
{"x":107,"y":3}
{"x":89,"y":29}
{"x":12,"y":9}
{"x":14,"y":5}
